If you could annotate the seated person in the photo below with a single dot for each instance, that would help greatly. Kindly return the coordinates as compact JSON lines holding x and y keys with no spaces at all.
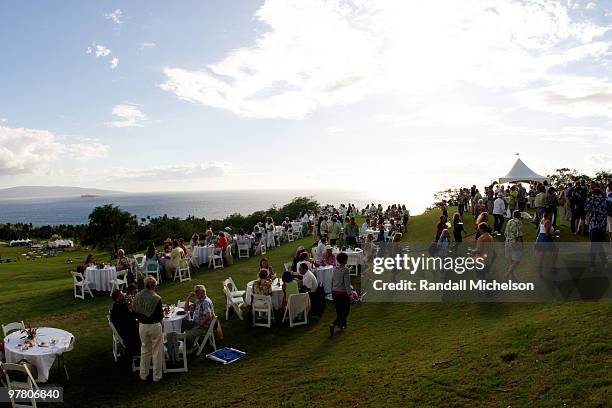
{"x":264,"y":264}
{"x":320,"y":248}
{"x":130,"y":292}
{"x":341,"y":242}
{"x":123,"y":264}
{"x":88,"y":262}
{"x":181,"y":243}
{"x":328,"y":258}
{"x":201,"y":311}
{"x":125,"y":323}
{"x":176,"y":255}
{"x":296,"y":259}
{"x":262,"y":286}
{"x":194,"y":241}
{"x":151,"y":259}
{"x":222,"y":243}
{"x":308,"y":283}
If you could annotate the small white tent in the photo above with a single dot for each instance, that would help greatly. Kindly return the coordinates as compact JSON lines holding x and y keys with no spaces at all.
{"x":520,"y":172}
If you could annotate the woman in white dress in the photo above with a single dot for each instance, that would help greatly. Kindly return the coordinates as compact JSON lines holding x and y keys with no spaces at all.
{"x":270,"y":242}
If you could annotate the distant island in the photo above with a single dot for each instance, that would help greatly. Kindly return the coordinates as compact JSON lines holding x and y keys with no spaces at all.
{"x":52,"y":192}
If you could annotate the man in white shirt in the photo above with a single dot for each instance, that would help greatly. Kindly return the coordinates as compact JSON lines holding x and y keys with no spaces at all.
{"x":365,"y":226}
{"x":499,"y":209}
{"x":320,"y":248}
{"x":309,"y":282}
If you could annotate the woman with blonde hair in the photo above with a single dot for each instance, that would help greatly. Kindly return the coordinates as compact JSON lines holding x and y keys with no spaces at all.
{"x":483,"y":217}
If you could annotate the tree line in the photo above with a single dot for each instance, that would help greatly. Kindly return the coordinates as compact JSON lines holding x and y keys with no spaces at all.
{"x":111,"y":227}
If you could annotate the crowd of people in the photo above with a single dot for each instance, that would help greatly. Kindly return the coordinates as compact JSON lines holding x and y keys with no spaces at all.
{"x":587,"y":207}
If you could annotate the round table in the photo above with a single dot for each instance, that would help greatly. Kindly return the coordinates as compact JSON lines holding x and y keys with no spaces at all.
{"x":277,"y":293}
{"x":202,"y":254}
{"x":173,"y":322}
{"x":324,"y":275}
{"x":99,"y":279}
{"x":48,"y":344}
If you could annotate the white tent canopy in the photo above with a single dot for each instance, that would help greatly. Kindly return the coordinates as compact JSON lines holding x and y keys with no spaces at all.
{"x":520,"y":172}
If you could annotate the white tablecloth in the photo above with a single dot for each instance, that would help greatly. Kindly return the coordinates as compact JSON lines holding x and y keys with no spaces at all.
{"x":354,"y":257}
{"x":277,"y":294}
{"x":202,"y":254}
{"x":41,"y":357}
{"x":324,"y":274}
{"x":100,"y":278}
{"x":173,"y":322}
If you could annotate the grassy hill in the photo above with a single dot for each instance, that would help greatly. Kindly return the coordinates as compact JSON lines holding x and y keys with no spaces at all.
{"x":394,"y":354}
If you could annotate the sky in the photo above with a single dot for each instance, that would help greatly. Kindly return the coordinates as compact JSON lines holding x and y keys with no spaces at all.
{"x":397,"y":99}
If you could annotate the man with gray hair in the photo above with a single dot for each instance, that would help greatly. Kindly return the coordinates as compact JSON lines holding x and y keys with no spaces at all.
{"x":201,"y":312}
{"x":147,"y":307}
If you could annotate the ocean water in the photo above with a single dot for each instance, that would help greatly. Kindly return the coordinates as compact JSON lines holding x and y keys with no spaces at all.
{"x":208,"y":204}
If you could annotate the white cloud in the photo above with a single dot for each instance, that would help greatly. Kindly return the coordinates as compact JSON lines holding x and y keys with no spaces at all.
{"x":326,"y":53}
{"x":100,"y":51}
{"x":115,"y":16}
{"x":184,"y":171}
{"x":27,"y":151}
{"x":3,"y":120}
{"x":599,"y":160}
{"x":590,"y":6}
{"x":147,"y":45}
{"x":86,"y":151}
{"x":573,"y":96}
{"x":129,"y":114}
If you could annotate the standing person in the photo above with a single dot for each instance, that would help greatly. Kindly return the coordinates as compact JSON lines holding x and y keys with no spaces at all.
{"x":351,"y":232}
{"x":444,"y":208}
{"x":485,"y":249}
{"x":545,"y":242}
{"x":552,"y":202}
{"x":579,"y":196}
{"x":540,"y":203}
{"x":458,"y":228}
{"x":514,"y":244}
{"x":567,"y":201}
{"x":595,"y":206}
{"x":513,"y":199}
{"x":333,"y":229}
{"x":609,"y":212}
{"x":341,"y":292}
{"x":522,"y":197}
{"x":270,"y":241}
{"x":147,"y":307}
{"x":440,"y":226}
{"x":499,"y":209}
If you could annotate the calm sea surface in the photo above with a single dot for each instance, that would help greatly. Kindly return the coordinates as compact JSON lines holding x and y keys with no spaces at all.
{"x":208,"y":204}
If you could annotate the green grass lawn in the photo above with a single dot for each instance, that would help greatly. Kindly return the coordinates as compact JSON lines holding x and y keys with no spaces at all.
{"x":392,"y":354}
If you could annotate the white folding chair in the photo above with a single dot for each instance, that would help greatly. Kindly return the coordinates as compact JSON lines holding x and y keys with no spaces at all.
{"x":233,"y":289}
{"x":148,"y":270}
{"x":216,"y":259}
{"x":11,"y":327}
{"x":182,"y":345}
{"x":263,"y":249}
{"x":180,"y":303}
{"x":243,"y":250}
{"x":80,"y":283}
{"x":182,"y":271}
{"x":288,"y":266}
{"x":12,"y":384}
{"x":208,"y":338}
{"x":119,"y":282}
{"x":140,"y":261}
{"x":262,"y":308}
{"x":298,"y":304}
{"x":232,"y":303}
{"x":290,"y":235}
{"x":352,"y":264}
